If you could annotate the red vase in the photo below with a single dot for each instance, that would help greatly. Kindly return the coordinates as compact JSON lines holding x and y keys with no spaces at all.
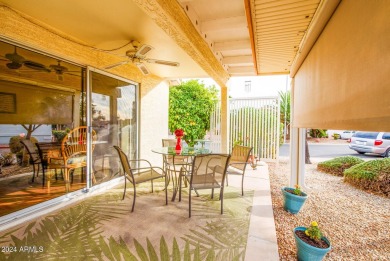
{"x":178,"y":143}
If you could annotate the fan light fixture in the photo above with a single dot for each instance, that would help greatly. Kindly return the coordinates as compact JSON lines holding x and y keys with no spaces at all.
{"x":138,"y":54}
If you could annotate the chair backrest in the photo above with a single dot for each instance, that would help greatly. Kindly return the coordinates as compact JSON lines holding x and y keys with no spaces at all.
{"x":76,"y":142}
{"x":168,"y":142}
{"x":169,"y":159}
{"x":209,"y":164}
{"x":30,"y":147}
{"x":240,"y":154}
{"x":125,"y":163}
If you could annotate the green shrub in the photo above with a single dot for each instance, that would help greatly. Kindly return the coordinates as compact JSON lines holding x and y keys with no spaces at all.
{"x":16,"y":147}
{"x":372,"y":176}
{"x":6,"y":159}
{"x":337,"y":166}
{"x":14,"y":143}
{"x":60,"y":134}
{"x":318,"y":133}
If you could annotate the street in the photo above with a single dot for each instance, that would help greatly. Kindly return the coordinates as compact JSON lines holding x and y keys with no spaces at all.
{"x":328,"y":151}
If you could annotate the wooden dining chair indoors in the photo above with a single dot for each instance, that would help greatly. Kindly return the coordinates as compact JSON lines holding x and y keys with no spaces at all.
{"x":207,"y":172}
{"x":140,"y":174}
{"x":49,"y":162}
{"x":74,"y":151}
{"x":238,"y":162}
{"x":35,"y":160}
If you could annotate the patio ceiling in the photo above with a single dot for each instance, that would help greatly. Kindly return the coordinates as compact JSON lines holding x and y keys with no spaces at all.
{"x":247,"y":37}
{"x":268,"y":32}
{"x":109,"y":25}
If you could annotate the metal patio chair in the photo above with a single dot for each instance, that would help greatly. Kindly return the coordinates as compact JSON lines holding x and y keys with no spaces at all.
{"x":238,"y":162}
{"x":140,"y":174}
{"x":207,"y":171}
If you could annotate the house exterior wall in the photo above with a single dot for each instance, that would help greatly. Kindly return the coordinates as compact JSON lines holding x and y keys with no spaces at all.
{"x":33,"y":34}
{"x":154,"y":121}
{"x":344,"y":81}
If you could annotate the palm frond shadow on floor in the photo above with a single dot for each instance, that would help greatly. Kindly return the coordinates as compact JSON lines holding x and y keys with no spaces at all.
{"x":77,"y":232}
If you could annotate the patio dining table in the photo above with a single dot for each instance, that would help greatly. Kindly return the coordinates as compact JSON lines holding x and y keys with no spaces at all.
{"x":186,"y":151}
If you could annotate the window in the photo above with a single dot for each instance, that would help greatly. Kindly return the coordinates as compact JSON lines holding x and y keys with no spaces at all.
{"x":247,"y":87}
{"x":386,"y":136}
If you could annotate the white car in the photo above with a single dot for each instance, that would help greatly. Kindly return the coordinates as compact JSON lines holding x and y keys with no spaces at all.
{"x":371,"y":142}
{"x":345,"y":135}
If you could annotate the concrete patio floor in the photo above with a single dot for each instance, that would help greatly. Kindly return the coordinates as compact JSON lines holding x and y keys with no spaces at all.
{"x":261,"y":237}
{"x":262,"y":243}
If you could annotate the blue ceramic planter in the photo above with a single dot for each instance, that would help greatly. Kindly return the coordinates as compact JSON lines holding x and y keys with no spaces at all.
{"x":293,"y":203}
{"x":307,"y":252}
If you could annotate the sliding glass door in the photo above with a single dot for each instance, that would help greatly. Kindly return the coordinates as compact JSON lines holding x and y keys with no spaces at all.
{"x":113,"y":116}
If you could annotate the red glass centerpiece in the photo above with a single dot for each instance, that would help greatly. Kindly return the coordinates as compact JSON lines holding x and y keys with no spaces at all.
{"x":179,"y":133}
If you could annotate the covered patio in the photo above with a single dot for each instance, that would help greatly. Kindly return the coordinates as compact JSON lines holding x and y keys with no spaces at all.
{"x":128,"y":53}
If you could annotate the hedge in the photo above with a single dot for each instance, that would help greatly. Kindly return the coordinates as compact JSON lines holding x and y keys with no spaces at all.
{"x":372,"y":176}
{"x":337,"y":166}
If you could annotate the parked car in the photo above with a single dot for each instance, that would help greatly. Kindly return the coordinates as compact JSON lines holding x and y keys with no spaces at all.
{"x":371,"y":142}
{"x":345,"y":135}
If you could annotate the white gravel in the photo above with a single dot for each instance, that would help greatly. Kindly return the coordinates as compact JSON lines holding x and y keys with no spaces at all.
{"x":356,"y":222}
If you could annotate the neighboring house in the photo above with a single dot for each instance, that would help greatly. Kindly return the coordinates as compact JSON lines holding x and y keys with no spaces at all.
{"x":43,"y":133}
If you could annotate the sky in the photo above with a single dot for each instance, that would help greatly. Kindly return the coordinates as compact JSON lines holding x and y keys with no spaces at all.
{"x":260,"y":86}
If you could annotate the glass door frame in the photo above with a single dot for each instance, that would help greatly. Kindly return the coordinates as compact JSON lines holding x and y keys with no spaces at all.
{"x":89,"y":90}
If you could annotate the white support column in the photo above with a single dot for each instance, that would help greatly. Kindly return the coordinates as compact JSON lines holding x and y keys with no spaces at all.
{"x":297,"y":147}
{"x":297,"y":157}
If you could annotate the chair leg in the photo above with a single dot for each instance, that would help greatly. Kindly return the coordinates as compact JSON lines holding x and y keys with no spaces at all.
{"x":221,"y":198}
{"x":180,"y":182}
{"x":124,"y":191}
{"x":242,"y":186}
{"x":166,"y":192}
{"x":33,"y":172}
{"x":212,"y":193}
{"x":227,"y":180}
{"x":43,"y":177}
{"x":152,"y":184}
{"x":132,"y":208}
{"x":189,"y":202}
{"x":66,"y":179}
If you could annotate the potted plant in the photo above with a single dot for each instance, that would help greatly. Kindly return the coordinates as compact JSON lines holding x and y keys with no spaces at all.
{"x":310,"y":242}
{"x":294,"y":199}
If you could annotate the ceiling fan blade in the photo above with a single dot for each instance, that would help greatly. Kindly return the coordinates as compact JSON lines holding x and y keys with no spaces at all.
{"x":116,"y":64}
{"x":143,"y":50}
{"x":142,"y":68}
{"x":169,"y":63}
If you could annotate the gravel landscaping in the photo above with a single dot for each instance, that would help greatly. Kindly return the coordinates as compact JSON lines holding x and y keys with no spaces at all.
{"x":356,"y":223}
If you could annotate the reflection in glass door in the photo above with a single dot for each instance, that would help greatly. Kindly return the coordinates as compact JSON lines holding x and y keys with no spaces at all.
{"x":114,"y":118}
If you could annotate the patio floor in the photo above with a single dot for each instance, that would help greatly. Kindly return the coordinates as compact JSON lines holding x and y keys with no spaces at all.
{"x":102,"y":226}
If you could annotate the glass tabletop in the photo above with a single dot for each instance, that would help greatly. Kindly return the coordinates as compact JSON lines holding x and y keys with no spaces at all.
{"x":186,"y":151}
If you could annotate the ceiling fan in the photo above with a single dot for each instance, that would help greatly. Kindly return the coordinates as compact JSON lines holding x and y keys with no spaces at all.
{"x":16,"y":61}
{"x":60,"y":70}
{"x":138,"y":54}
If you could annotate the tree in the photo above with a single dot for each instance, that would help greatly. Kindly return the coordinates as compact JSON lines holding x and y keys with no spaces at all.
{"x":190,"y":106}
{"x":285,"y":114}
{"x":285,"y":108}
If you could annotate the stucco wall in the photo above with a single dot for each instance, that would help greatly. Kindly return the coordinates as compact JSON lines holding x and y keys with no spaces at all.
{"x":153,"y":90}
{"x":154,"y":121}
{"x":344,"y":81}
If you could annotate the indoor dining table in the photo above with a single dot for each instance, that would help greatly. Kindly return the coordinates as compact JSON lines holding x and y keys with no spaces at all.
{"x":186,"y":152}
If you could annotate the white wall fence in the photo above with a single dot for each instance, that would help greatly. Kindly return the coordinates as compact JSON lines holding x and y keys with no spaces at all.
{"x":254,"y":122}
